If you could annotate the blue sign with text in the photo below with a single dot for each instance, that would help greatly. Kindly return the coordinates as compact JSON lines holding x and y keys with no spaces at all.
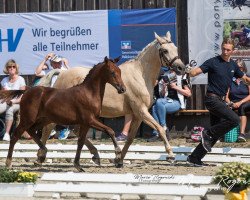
{"x":131,"y":30}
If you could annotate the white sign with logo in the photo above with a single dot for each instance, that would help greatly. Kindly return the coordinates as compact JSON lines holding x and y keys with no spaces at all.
{"x":28,"y":37}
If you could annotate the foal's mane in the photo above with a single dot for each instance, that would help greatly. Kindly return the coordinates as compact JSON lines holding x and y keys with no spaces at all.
{"x":95,"y":67}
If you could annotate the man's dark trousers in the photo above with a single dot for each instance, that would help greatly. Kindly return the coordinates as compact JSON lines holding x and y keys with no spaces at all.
{"x":222,"y":118}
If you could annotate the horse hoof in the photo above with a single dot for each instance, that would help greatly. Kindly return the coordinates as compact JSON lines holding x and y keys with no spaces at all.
{"x":119,"y":165}
{"x":78,"y":167}
{"x":37,"y":163}
{"x":8,"y":164}
{"x":171,"y":159}
{"x":41,"y":159}
{"x":96,"y":160}
{"x":42,"y":153}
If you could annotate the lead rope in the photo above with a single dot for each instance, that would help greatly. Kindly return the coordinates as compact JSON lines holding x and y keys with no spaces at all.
{"x":192,"y":63}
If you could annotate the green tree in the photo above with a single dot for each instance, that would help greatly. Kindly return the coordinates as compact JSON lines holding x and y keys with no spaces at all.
{"x":233,"y":25}
{"x":227,"y":29}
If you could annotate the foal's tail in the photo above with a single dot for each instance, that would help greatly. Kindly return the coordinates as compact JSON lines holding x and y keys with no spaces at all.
{"x":7,"y":95}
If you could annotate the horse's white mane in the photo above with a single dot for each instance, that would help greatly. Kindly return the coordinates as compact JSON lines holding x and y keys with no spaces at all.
{"x":142,"y":52}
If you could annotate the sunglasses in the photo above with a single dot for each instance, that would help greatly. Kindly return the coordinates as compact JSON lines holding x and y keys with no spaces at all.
{"x":9,"y":67}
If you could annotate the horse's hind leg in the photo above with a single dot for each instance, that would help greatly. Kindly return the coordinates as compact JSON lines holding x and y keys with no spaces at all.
{"x":80,"y":143}
{"x":13,"y":139}
{"x":99,"y":126}
{"x":93,"y":151}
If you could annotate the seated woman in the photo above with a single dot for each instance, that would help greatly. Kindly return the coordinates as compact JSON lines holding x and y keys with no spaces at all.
{"x":238,"y":97}
{"x":171,"y":100}
{"x":12,"y":82}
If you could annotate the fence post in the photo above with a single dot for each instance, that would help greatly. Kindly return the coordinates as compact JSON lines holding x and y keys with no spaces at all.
{"x":182,"y":30}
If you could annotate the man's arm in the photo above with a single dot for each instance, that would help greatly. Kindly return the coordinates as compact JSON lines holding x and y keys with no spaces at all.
{"x":195,"y":71}
{"x":40,"y":67}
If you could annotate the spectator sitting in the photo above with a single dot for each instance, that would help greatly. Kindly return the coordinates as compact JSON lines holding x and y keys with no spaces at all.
{"x":238,"y":96}
{"x":56,"y":62}
{"x":12,"y":82}
{"x":245,"y":30}
{"x":45,"y":70}
{"x":171,"y":100}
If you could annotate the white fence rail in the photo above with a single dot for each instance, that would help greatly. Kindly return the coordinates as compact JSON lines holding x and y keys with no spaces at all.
{"x":132,"y":148}
{"x":116,"y":185}
{"x":120,"y":184}
{"x":136,"y":152}
{"x":130,"y":156}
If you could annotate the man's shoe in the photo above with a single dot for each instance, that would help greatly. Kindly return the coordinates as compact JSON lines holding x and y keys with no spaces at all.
{"x":121,"y":137}
{"x":154,"y":139}
{"x":194,"y":162}
{"x":241,"y":138}
{"x":63,"y":134}
{"x":206,"y":141}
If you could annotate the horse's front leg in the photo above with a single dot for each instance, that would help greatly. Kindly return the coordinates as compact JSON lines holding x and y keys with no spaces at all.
{"x":42,"y":152}
{"x":93,"y":150}
{"x":13,"y":139}
{"x":100,"y":126}
{"x":80,"y":143}
{"x":149,"y":120}
{"x":46,"y":132}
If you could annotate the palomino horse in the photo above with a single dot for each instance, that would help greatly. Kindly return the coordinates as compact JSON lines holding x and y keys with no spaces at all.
{"x":139,"y":76}
{"x":79,"y":105}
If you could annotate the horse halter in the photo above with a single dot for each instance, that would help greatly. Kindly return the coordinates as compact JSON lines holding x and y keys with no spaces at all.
{"x":163,"y":58}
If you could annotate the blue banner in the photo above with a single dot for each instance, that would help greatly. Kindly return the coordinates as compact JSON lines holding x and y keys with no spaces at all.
{"x":131,"y":30}
{"x":83,"y":37}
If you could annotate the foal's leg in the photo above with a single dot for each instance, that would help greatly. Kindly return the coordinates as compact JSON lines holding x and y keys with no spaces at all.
{"x":93,"y":151}
{"x":41,"y":154}
{"x":99,"y":126}
{"x":80,"y":143}
{"x":46,"y":132}
{"x":13,"y":139}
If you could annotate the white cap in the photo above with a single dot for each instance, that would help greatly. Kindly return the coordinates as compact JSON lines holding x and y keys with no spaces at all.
{"x":56,"y":58}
